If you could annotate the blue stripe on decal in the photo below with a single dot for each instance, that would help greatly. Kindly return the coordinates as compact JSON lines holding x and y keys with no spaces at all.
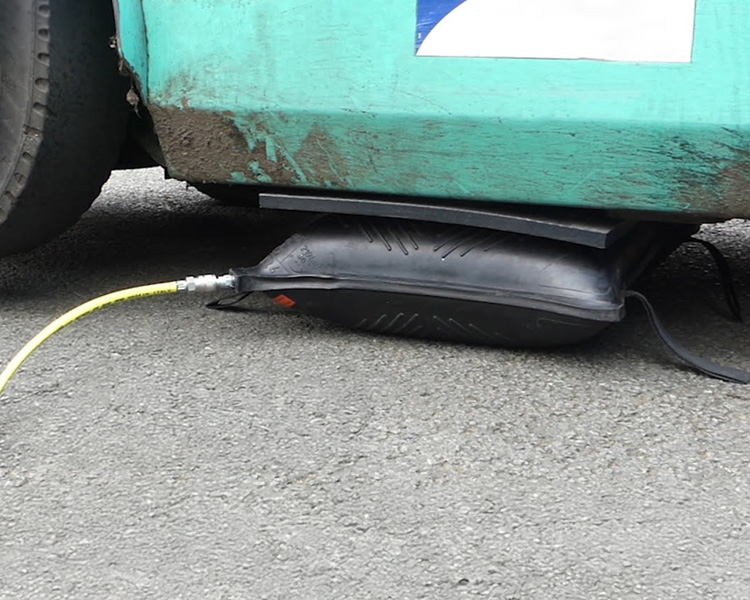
{"x":430,"y":13}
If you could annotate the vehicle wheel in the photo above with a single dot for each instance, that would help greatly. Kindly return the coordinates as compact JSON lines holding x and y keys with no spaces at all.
{"x":62,"y":115}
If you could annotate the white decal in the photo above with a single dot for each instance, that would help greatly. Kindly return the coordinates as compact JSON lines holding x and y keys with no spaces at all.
{"x":617,"y":30}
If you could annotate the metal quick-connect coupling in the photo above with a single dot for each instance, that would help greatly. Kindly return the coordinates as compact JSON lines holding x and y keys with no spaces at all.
{"x":206,"y":283}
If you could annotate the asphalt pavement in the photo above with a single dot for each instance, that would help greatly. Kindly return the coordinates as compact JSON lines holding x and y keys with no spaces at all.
{"x":157,"y":449}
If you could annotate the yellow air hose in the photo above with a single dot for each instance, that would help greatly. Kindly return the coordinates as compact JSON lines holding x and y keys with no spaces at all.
{"x":204,"y":283}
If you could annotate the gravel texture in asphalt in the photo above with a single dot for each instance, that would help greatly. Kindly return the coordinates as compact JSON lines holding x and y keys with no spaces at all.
{"x":160,"y":450}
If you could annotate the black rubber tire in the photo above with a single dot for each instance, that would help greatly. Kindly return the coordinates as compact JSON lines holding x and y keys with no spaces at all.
{"x":63,"y":113}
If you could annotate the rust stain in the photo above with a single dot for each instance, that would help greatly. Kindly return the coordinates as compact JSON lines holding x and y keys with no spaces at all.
{"x":733,"y":184}
{"x":710,"y":182}
{"x":720,"y":192}
{"x":198,"y":145}
{"x":278,"y":170}
{"x":316,"y":163}
{"x":211,"y":147}
{"x":322,"y":164}
{"x":271,"y":162}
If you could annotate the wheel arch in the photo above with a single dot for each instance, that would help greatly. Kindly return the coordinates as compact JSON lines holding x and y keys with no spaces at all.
{"x":132,"y":41}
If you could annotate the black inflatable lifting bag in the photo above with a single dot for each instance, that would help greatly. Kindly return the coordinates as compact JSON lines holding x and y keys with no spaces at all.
{"x":457,"y":283}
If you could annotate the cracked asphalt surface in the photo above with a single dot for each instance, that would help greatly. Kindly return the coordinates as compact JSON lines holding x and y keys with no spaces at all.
{"x":160,"y":450}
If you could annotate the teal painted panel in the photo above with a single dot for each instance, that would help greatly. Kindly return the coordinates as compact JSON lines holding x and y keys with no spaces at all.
{"x":132,"y":42}
{"x":331,"y":94}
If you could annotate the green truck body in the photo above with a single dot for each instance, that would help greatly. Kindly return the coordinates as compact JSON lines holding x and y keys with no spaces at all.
{"x":333,"y":95}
